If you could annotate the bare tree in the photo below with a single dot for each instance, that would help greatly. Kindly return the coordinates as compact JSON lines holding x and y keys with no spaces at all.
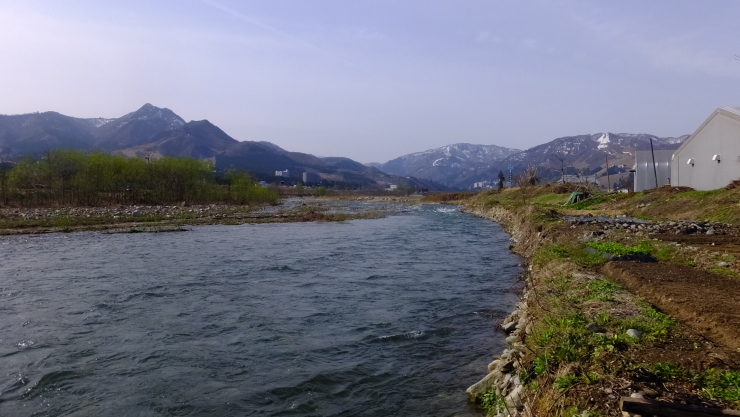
{"x":526,"y":180}
{"x":561,"y":158}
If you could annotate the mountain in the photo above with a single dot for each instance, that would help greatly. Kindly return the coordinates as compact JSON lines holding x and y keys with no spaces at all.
{"x":196,"y":139}
{"x":450,"y":164}
{"x":36,"y":133}
{"x":154,"y":132}
{"x":583,"y":154}
{"x":262,"y":159}
{"x":39,"y":132}
{"x":462,"y":165}
{"x":136,"y":128}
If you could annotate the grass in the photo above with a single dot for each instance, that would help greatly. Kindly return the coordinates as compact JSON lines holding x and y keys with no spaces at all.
{"x":618,"y":249}
{"x":594,"y":200}
{"x":569,"y":361}
{"x":569,"y":251}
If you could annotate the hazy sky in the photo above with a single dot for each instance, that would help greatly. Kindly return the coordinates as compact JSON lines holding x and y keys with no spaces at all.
{"x":376,"y":79}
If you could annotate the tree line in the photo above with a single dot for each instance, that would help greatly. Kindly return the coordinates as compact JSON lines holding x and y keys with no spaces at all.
{"x":70,"y":177}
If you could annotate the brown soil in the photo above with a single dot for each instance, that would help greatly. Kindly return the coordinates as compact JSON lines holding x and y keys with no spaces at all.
{"x":704,"y":301}
{"x":714,"y":243}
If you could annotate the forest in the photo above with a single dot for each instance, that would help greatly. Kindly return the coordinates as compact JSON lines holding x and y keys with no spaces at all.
{"x":75,"y":178}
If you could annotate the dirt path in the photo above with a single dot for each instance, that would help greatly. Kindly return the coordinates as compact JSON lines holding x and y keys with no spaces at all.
{"x":706,"y":302}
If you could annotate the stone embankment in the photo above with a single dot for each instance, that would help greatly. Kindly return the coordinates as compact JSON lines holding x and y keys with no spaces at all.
{"x":631,"y":224}
{"x":504,"y":370}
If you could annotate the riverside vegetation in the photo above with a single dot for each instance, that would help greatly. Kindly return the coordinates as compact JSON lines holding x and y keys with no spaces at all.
{"x":579,"y":340}
{"x":69,"y":190}
{"x":74,"y":178}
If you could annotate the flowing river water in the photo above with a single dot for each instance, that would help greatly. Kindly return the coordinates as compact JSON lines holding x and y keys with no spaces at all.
{"x":392,"y":316}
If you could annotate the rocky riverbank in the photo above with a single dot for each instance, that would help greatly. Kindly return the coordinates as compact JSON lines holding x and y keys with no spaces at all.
{"x":24,"y":220}
{"x":504,"y":372}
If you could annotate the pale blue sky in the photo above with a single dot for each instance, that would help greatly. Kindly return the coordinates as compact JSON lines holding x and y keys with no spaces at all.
{"x":373,"y":80}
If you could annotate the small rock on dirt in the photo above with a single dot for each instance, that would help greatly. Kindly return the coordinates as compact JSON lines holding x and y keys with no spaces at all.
{"x":634,"y":333}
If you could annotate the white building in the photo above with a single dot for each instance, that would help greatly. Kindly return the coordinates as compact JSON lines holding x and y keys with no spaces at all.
{"x":285,"y":173}
{"x":648,"y":164}
{"x":710,"y":158}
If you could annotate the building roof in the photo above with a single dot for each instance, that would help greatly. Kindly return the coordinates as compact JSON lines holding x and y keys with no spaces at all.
{"x":733,"y":112}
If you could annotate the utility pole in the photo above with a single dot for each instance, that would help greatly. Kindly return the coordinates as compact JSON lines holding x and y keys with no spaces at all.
{"x":511,"y":178}
{"x":655,"y":170}
{"x":608,"y":181}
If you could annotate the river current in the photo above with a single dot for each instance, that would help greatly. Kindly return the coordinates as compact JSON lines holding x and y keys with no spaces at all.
{"x":391,"y":316}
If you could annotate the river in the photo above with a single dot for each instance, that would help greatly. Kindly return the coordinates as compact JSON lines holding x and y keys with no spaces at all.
{"x":391,"y":316}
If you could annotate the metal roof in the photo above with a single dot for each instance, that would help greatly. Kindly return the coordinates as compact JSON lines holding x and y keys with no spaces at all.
{"x":735,"y":110}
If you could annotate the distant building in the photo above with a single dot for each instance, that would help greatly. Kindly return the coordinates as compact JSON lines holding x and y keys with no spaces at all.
{"x":285,"y":173}
{"x":645,"y":171}
{"x":392,"y":187}
{"x":710,"y":158}
{"x":310,"y":178}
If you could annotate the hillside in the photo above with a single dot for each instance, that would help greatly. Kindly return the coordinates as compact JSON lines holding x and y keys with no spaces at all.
{"x":462,"y":165}
{"x":450,"y":165}
{"x":196,"y":139}
{"x":38,"y":132}
{"x":154,"y":132}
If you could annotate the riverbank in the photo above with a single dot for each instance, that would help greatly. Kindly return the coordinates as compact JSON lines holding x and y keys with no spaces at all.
{"x":16,"y":220}
{"x":584,"y":335}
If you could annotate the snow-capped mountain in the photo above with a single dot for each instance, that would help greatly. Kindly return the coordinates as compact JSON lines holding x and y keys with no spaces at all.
{"x":462,"y":165}
{"x":448,"y":164}
{"x":583,"y":154}
{"x":137,"y":128}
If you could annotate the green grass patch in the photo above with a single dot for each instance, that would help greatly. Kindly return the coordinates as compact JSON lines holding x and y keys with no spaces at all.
{"x":594,"y":200}
{"x":712,"y":383}
{"x":602,"y":290}
{"x":697,"y":194}
{"x":722,"y":385}
{"x":570,"y":251}
{"x":618,"y":249}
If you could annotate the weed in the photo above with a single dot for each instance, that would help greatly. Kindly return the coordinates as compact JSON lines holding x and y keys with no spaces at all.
{"x":590,"y":378}
{"x":602,"y":290}
{"x":492,"y":403}
{"x":543,"y":363}
{"x":564,"y":383}
{"x":723,"y":385}
{"x":666,"y":372}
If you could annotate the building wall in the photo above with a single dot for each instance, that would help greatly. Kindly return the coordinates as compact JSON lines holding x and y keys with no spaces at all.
{"x":645,"y":173}
{"x":720,"y":134}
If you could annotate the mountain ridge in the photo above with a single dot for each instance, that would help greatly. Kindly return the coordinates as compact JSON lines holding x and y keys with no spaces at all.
{"x":153,"y":132}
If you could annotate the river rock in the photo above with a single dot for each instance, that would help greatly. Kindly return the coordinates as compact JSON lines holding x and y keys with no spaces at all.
{"x":723,"y":264}
{"x":634,"y":333}
{"x":509,"y":327}
{"x":481,"y":387}
{"x":514,"y":399}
